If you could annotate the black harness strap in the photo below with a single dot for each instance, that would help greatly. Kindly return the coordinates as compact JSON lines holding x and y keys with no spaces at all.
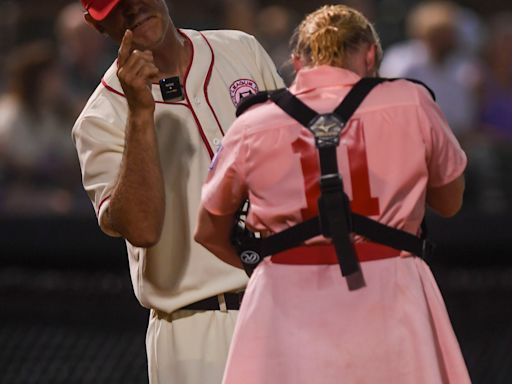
{"x":251,"y":100}
{"x":262,"y":96}
{"x":333,"y":205}
{"x":362,"y":225}
{"x":356,"y":96}
{"x":295,"y":108}
{"x":335,"y":219}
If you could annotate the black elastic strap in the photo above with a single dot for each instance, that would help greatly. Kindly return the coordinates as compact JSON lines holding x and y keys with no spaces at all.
{"x":248,"y":101}
{"x":356,"y":96}
{"x":334,"y":223}
{"x":328,"y":160}
{"x":290,"y":237}
{"x":295,"y":108}
{"x":392,"y":237}
{"x":361,"y":225}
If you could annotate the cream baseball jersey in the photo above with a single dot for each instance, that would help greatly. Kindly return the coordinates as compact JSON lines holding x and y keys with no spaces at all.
{"x":226,"y":66}
{"x":396,"y":146}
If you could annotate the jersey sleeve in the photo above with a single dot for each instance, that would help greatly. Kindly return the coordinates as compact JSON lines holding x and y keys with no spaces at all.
{"x":99,"y":140}
{"x":225,"y":187}
{"x":445,"y":158}
{"x":266,"y":65}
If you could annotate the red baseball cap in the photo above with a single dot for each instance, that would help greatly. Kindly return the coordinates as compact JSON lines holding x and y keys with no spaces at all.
{"x":99,"y":9}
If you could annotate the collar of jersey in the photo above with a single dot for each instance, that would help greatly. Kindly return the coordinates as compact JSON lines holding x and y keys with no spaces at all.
{"x":322,"y":76}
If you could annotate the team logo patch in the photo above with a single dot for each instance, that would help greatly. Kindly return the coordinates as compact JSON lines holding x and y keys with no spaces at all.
{"x":242,"y":88}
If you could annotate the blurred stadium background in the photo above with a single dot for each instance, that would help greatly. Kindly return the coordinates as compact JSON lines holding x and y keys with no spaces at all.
{"x":67,"y":310}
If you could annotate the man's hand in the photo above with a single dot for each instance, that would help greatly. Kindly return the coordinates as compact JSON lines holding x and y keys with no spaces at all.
{"x":136,"y":71}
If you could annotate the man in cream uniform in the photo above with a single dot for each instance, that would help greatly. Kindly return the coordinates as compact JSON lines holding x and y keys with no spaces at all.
{"x":144,"y":151}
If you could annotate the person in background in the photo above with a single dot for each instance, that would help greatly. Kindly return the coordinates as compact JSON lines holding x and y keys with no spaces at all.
{"x":443,"y":57}
{"x":84,"y":54}
{"x":274,"y":25}
{"x":38,"y":167}
{"x":300,"y":320}
{"x":495,"y":106}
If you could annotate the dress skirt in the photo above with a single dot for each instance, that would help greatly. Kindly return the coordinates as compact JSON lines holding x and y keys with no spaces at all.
{"x":301,"y":324}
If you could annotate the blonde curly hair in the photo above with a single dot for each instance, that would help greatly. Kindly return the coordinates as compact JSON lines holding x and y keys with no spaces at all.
{"x":328,"y":35}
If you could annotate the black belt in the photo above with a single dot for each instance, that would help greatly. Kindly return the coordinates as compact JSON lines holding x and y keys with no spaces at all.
{"x":232,"y":300}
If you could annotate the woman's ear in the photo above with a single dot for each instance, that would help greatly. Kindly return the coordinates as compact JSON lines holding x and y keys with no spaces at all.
{"x":88,"y":18}
{"x":297,"y":63}
{"x":371,"y":59}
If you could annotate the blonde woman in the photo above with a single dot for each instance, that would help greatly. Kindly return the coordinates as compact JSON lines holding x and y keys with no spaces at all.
{"x":300,"y":322}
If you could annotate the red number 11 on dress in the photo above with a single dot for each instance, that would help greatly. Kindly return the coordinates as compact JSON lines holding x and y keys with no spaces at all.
{"x":353,"y":139}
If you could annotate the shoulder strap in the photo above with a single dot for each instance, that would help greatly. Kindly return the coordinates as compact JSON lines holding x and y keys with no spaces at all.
{"x":295,"y":108}
{"x":420,"y":83}
{"x":303,"y":114}
{"x":299,"y":111}
{"x":356,"y":96}
{"x":248,"y":101}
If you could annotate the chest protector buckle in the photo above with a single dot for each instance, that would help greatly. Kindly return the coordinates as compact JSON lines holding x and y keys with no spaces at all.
{"x":327,"y":129}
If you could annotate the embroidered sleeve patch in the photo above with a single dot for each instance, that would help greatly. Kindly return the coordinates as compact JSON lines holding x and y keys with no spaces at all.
{"x":242,"y":88}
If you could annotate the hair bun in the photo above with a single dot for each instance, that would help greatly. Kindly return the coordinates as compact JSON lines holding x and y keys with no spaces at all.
{"x":327,"y":44}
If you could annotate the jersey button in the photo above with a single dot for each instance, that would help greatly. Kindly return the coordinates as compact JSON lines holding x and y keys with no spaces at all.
{"x":197,"y":101}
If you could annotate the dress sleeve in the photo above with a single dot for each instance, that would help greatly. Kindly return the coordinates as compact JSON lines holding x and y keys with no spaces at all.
{"x":445,"y":158}
{"x":225,"y":187}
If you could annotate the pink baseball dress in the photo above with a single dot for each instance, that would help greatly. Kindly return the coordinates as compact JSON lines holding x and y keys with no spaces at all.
{"x":300,"y":323}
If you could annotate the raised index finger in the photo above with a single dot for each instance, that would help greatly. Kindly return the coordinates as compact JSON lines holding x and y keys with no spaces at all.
{"x":125,"y":48}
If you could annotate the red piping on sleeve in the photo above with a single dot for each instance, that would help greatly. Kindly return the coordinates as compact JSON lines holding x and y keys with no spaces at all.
{"x":102,"y":202}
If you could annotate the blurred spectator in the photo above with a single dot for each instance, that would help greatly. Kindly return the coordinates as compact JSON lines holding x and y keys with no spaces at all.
{"x":38,"y":166}
{"x":496,"y":97}
{"x":441,"y":54}
{"x":452,"y":74}
{"x":274,"y":25}
{"x":466,"y":27}
{"x":496,"y":106}
{"x":84,"y":55}
{"x":366,"y":7}
{"x":240,"y":15}
{"x":10,"y":12}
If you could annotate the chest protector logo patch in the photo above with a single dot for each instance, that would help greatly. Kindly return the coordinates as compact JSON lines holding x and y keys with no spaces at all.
{"x":242,"y":88}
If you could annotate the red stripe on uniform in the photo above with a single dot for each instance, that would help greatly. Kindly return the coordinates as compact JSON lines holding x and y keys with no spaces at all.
{"x":200,"y":128}
{"x":207,"y":82}
{"x":102,"y":202}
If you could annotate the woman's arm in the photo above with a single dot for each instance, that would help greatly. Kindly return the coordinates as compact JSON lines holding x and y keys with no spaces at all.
{"x":447,"y":200}
{"x":213,"y":232}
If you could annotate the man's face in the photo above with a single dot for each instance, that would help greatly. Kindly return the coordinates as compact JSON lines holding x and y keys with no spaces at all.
{"x":148,"y":20}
